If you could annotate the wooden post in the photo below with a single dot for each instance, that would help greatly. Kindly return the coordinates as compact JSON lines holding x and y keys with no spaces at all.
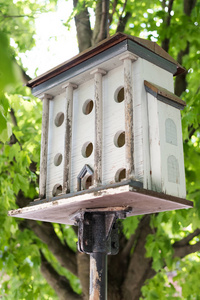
{"x":98,"y":73}
{"x":68,"y":136}
{"x":44,"y":145}
{"x":129,"y":105}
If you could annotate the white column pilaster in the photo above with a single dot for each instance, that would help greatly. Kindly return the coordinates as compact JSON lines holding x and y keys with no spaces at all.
{"x":68,"y":136}
{"x":44,"y":145}
{"x":98,"y":74}
{"x":129,"y":107}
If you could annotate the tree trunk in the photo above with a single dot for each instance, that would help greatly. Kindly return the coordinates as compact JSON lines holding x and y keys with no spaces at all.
{"x":83,"y":28}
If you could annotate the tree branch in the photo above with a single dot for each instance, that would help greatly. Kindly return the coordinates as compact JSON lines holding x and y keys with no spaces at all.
{"x":163,"y":4}
{"x":100,"y":28}
{"x":110,"y":17}
{"x":191,"y":132}
{"x":140,"y":267}
{"x":183,"y":248}
{"x":123,"y":20}
{"x":187,"y":239}
{"x":83,"y":273}
{"x":59,"y":283}
{"x":165,"y":42}
{"x":65,"y":256}
{"x":188,"y":6}
{"x":83,"y":27}
{"x":181,"y":83}
{"x":16,"y":16}
{"x":130,"y":243}
{"x":13,"y":140}
{"x":13,"y":117}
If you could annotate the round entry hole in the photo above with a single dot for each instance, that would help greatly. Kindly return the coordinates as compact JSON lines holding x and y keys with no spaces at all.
{"x":120,"y":175}
{"x":57,"y":189}
{"x":59,"y":119}
{"x":57,"y":159}
{"x":87,"y":149}
{"x":119,"y":139}
{"x":88,"y":107}
{"x":119,"y":95}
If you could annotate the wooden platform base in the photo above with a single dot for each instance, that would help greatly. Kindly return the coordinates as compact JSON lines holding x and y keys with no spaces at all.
{"x":62,"y":208}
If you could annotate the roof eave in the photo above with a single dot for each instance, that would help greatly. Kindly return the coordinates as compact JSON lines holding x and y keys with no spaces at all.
{"x":101,"y":47}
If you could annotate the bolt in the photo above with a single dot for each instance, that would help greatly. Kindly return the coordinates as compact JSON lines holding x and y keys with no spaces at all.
{"x":87,"y":222}
{"x":114,"y":245}
{"x":87,"y":242}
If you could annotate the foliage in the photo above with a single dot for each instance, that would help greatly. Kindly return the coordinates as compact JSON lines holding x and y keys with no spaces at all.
{"x":20,"y":130}
{"x":7,"y":78}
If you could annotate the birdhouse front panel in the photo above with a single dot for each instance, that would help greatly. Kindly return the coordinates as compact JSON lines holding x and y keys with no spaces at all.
{"x":82,"y":133}
{"x":55,"y":153}
{"x":113,"y":129}
{"x":151,"y":121}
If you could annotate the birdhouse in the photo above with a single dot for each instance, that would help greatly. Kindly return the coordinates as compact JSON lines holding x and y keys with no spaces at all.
{"x":111,"y":132}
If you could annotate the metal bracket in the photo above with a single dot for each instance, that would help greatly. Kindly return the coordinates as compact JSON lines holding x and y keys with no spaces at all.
{"x":98,"y":236}
{"x":98,"y":230}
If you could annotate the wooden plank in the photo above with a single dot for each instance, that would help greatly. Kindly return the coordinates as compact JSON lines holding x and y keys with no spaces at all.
{"x":68,"y":137}
{"x":157,"y":90}
{"x":79,"y":69}
{"x":44,"y":146}
{"x":139,"y":95}
{"x":152,"y":57}
{"x":57,"y":123}
{"x":82,"y":131}
{"x":154,"y":143}
{"x":168,"y":149}
{"x":113,"y":157}
{"x":142,"y":201}
{"x":129,"y":104}
{"x":98,"y":73}
{"x":101,"y":47}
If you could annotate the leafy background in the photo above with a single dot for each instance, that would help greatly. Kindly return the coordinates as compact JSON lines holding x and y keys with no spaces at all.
{"x":22,"y":250}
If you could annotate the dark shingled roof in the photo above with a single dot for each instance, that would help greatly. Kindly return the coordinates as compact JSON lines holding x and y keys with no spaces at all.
{"x":102,"y":46}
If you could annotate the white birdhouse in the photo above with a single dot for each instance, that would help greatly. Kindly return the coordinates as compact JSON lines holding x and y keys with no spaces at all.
{"x":111,"y":132}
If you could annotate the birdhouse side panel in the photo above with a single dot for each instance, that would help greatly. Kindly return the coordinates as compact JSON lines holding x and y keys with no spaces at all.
{"x":171,"y":147}
{"x":161,"y":77}
{"x":55,"y":153}
{"x":113,"y":163}
{"x":157,"y":75}
{"x":82,"y":131}
{"x":154,"y":143}
{"x":138,"y":119}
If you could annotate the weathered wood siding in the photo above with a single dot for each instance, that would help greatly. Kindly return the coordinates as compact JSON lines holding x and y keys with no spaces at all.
{"x":154,"y":143}
{"x":82,"y":130}
{"x":55,"y":143}
{"x":163,"y":78}
{"x":173,"y":175}
{"x":137,"y":119}
{"x":155,"y":129}
{"x":152,"y":164}
{"x":113,"y":121}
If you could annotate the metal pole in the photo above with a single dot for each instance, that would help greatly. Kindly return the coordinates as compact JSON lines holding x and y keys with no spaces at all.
{"x":98,"y":276}
{"x":98,"y":237}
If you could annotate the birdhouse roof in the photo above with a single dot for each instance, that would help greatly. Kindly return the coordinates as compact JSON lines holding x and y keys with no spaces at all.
{"x":106,"y":49}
